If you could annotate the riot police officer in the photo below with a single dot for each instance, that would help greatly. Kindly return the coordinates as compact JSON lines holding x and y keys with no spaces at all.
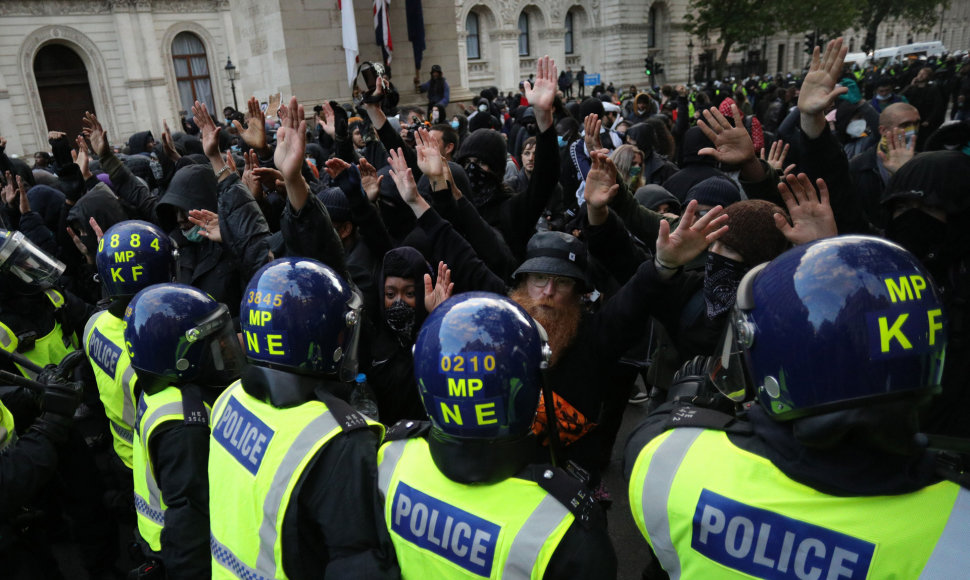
{"x":462,"y":500}
{"x":132,"y":255}
{"x":289,"y":458}
{"x":184,"y":350}
{"x":840,"y":343}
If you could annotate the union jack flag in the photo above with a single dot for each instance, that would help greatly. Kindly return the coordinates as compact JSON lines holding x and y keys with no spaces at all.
{"x":382,"y":29}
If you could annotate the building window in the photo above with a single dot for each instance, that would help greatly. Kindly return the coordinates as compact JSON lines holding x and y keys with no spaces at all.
{"x":523,"y":34}
{"x":652,"y":28}
{"x":569,"y":33}
{"x":471,"y":40}
{"x":191,"y":72}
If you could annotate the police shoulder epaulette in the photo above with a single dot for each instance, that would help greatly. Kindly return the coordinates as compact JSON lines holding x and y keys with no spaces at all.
{"x":693,"y":416}
{"x":345,"y":415}
{"x":568,"y":490}
{"x":193,"y":408}
{"x":407,"y":429}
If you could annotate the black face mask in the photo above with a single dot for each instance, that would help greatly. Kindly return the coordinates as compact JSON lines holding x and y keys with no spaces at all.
{"x":924,"y":236}
{"x":484,"y":185}
{"x":721,"y":279}
{"x":400,"y":318}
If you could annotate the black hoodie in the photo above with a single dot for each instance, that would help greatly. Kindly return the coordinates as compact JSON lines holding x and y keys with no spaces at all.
{"x":391,"y":371}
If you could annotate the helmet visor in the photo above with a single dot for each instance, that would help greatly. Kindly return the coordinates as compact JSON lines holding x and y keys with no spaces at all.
{"x":349,"y":363}
{"x":726,"y":367}
{"x":223,"y":357}
{"x":20,"y":258}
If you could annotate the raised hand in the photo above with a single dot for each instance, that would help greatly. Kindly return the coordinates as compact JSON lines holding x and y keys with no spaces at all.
{"x":899,"y":151}
{"x":429,"y":154}
{"x":776,"y":155}
{"x":404,"y":181}
{"x":542,"y":94}
{"x":820,"y":86}
{"x":591,"y":132}
{"x":210,"y":134}
{"x":55,"y":135}
{"x":24,"y":202}
{"x":335,"y":166}
{"x":327,"y":120}
{"x":95,"y":133}
{"x":79,"y":243}
{"x":811,"y":214}
{"x":435,"y":295}
{"x":369,"y":180}
{"x":692,"y":236}
{"x":254,"y":134}
{"x":168,"y":144}
{"x":601,"y":187}
{"x":9,"y":189}
{"x":732,"y":145}
{"x":249,"y":178}
{"x":291,"y":142}
{"x":208,"y":223}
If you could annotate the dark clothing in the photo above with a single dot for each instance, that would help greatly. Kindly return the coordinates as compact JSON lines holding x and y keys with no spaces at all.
{"x":391,"y":371}
{"x":868,"y":182}
{"x":334,"y":523}
{"x":181,"y":461}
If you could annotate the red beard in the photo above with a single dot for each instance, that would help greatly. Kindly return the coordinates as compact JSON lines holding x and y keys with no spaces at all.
{"x":560,"y":322}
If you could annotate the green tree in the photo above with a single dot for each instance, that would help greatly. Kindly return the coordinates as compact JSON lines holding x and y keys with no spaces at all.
{"x":920,"y":15}
{"x":736,"y":23}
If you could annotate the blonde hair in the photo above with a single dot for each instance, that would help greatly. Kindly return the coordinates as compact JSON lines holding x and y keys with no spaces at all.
{"x":623,"y":157}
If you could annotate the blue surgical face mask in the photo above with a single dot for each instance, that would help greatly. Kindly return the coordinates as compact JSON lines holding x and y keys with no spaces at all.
{"x":884,"y":97}
{"x":193,"y":235}
{"x":454,"y":124}
{"x":562,"y":142}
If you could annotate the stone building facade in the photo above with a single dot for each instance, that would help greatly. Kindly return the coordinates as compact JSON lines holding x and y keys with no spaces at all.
{"x":499,"y":40}
{"x":136,"y":62}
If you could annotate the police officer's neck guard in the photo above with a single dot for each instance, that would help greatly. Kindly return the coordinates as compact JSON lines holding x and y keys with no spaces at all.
{"x":485,"y":461}
{"x":283,"y":388}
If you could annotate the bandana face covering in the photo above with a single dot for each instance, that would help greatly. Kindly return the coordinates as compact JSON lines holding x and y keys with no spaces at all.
{"x":483,"y":185}
{"x":400,"y":317}
{"x":193,"y":235}
{"x":721,"y":279}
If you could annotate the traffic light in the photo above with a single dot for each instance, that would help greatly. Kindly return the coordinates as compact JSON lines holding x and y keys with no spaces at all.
{"x":648,"y":65}
{"x":658,"y":68}
{"x":810,"y":43}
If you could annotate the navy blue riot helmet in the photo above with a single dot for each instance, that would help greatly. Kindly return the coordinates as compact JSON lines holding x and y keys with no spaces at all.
{"x":177,"y":334}
{"x":132,"y":255}
{"x":477,"y":362}
{"x":299,"y":315}
{"x":840,"y":323}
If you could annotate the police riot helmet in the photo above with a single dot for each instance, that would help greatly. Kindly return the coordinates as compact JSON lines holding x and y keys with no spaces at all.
{"x":25,"y":266}
{"x":477,"y":363}
{"x":299,"y":315}
{"x":176,"y":334}
{"x":840,"y":323}
{"x":133,"y":255}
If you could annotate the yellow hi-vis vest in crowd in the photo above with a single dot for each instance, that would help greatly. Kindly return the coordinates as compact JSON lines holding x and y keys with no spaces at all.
{"x":49,"y":349}
{"x":444,"y":529}
{"x":712,"y":510}
{"x":257,"y":454}
{"x":154,"y":411}
{"x":104,"y":343}
{"x":8,"y":432}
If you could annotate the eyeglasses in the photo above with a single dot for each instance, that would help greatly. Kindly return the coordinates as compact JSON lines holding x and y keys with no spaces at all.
{"x":541,"y":281}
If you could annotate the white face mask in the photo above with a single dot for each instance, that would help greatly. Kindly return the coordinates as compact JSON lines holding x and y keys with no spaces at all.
{"x":856,"y":128}
{"x":483,"y":107}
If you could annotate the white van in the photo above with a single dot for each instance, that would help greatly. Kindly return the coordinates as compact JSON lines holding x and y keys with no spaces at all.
{"x":889,"y":56}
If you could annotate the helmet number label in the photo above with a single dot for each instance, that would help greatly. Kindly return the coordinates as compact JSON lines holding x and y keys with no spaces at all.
{"x":906,"y":331}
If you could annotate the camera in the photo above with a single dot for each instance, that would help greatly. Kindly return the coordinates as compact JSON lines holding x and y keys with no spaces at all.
{"x":370,"y":76}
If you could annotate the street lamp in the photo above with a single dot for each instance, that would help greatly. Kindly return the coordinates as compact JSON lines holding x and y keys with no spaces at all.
{"x":690,"y":59}
{"x":233,"y":75}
